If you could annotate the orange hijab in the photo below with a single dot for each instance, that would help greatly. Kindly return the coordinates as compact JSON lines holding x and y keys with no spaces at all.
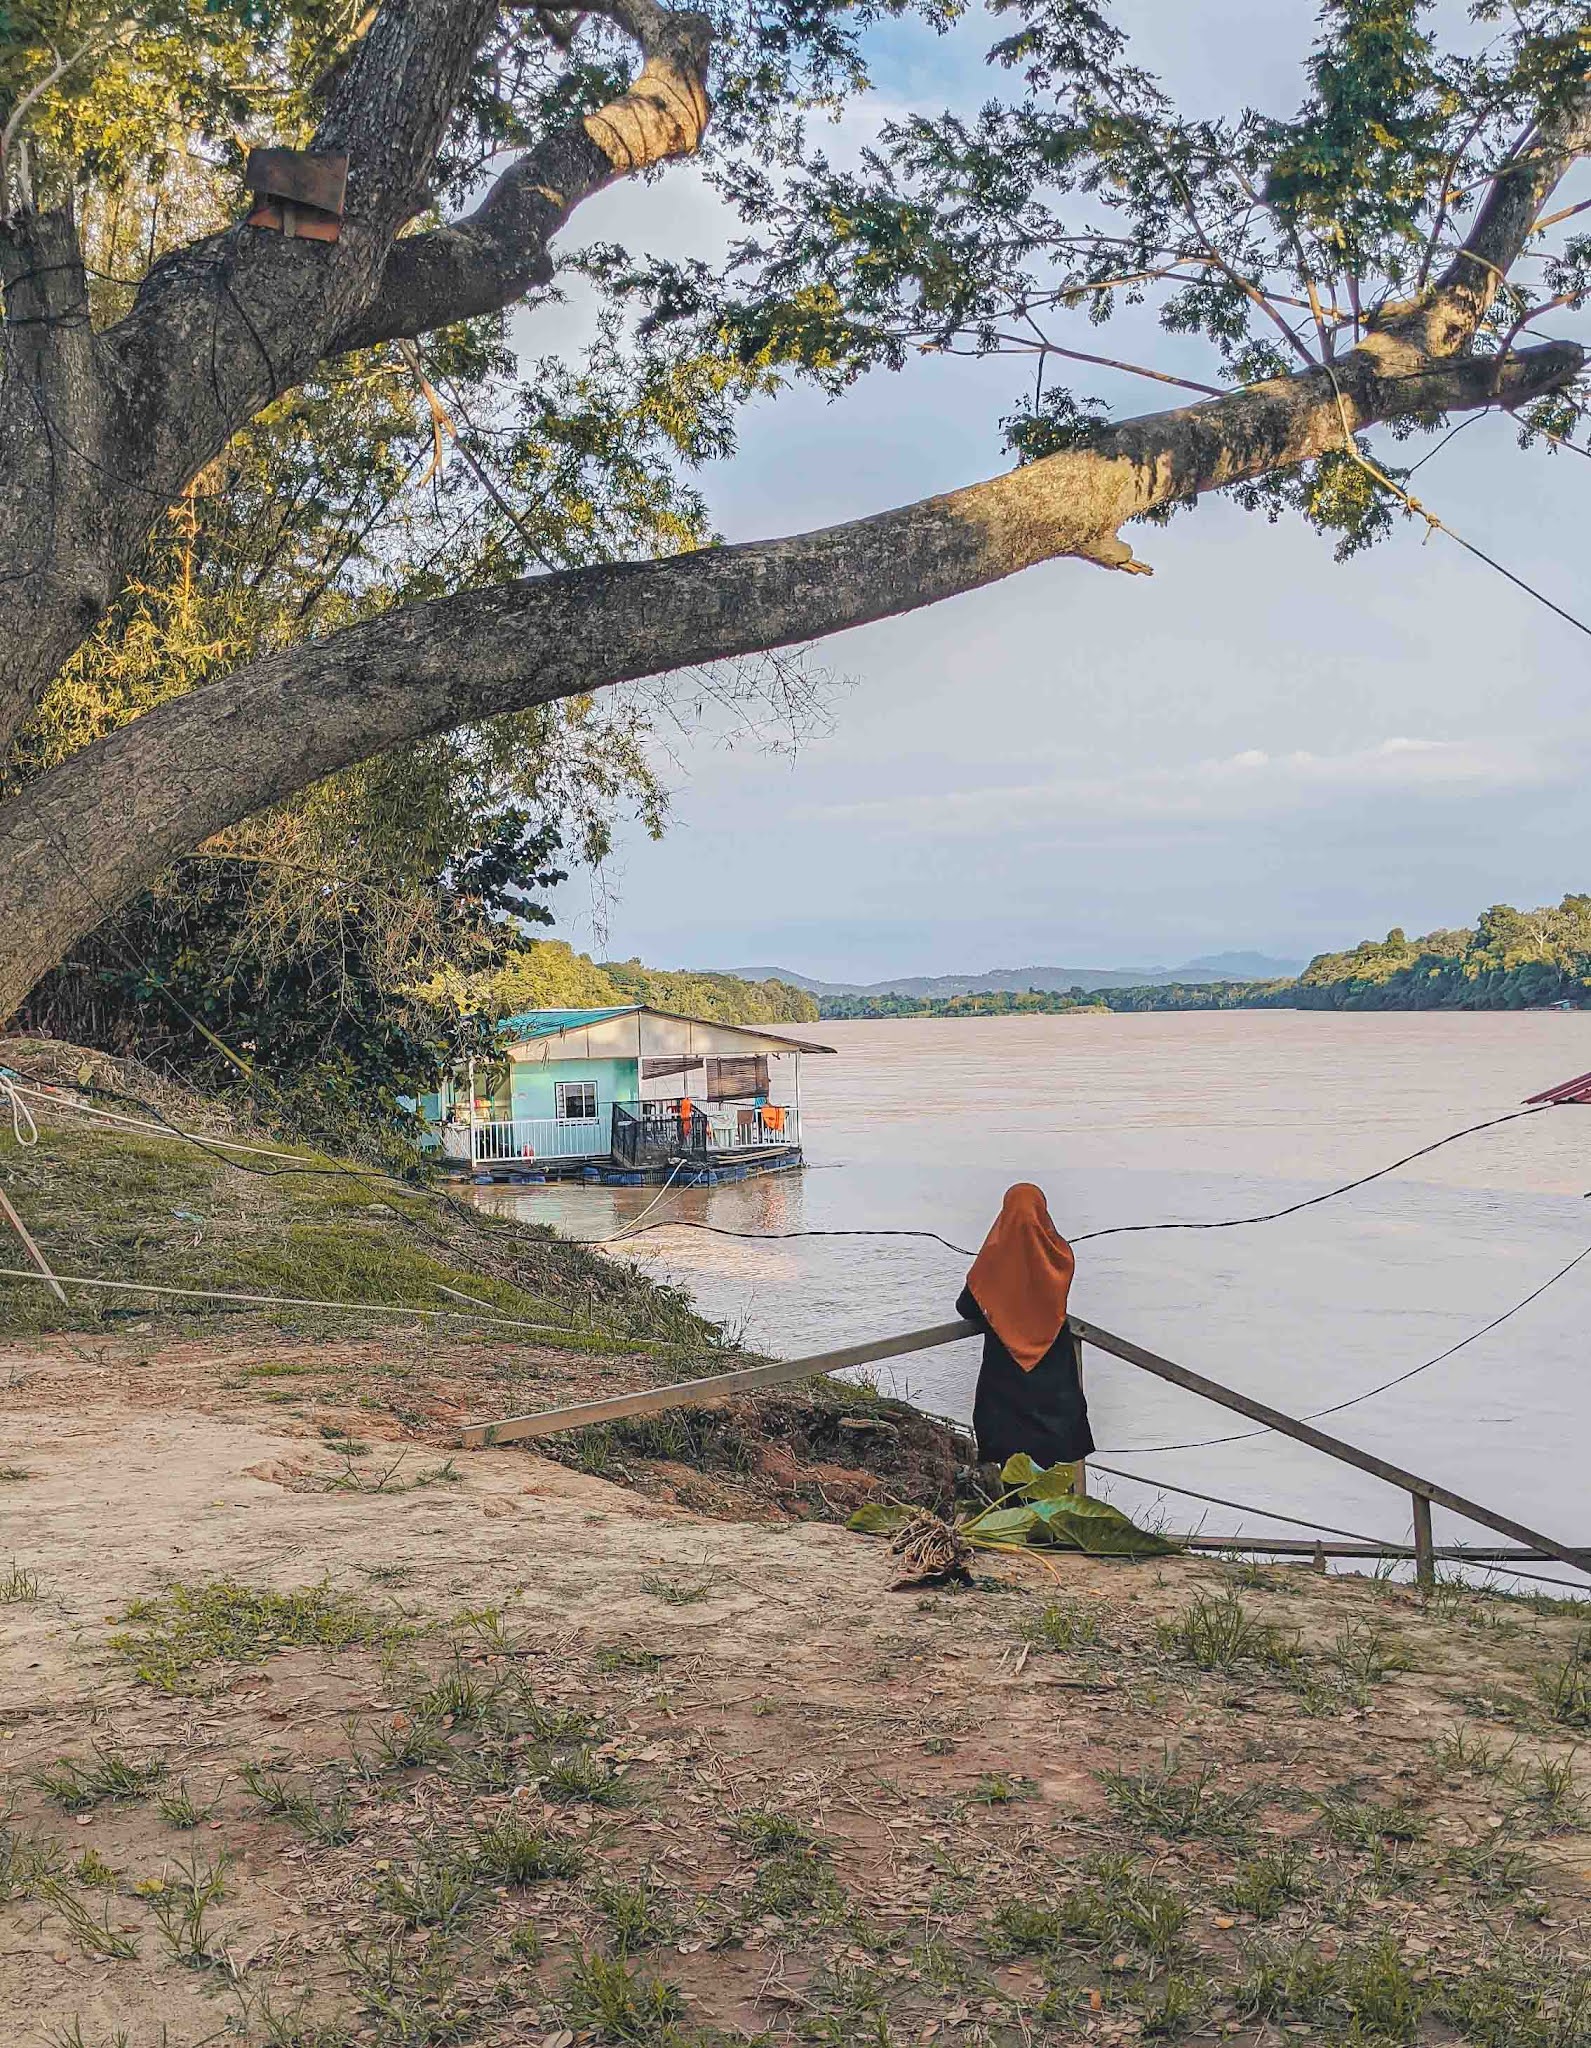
{"x":1022,"y":1276}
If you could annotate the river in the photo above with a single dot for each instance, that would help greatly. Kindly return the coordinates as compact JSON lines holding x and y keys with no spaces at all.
{"x":921,"y":1124}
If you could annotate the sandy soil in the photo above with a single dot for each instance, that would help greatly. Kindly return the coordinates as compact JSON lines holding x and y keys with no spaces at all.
{"x":797,"y":1798}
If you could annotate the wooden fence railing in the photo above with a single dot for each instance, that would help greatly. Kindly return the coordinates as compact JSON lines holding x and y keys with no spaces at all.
{"x":703,"y":1393}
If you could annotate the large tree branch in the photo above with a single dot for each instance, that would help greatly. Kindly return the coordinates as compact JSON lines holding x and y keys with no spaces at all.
{"x":1446,"y":318}
{"x":496,"y":254}
{"x":87,"y":836}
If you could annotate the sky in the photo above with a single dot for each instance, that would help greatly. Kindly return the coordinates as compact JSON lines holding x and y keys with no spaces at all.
{"x":1257,"y":747}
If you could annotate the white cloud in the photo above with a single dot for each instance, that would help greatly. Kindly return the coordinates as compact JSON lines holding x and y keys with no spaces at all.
{"x":1251,"y":783}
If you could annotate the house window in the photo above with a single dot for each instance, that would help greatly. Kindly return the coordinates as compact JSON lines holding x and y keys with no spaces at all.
{"x":577,"y":1101}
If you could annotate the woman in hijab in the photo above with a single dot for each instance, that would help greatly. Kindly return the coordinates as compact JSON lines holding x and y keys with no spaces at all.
{"x":1030,"y":1397}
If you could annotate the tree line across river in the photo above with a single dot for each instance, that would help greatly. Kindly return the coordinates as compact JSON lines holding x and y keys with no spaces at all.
{"x":1509,"y":960}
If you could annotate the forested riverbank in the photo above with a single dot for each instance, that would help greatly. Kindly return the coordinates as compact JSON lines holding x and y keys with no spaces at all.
{"x":1508,"y":960}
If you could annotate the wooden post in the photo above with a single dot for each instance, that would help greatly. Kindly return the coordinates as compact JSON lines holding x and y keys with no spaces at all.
{"x":1424,"y":1548}
{"x":33,"y":1251}
{"x":703,"y":1393}
{"x":1080,"y":1469}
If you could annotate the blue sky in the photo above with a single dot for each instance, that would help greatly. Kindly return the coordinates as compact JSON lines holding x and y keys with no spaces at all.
{"x":1256,"y":747}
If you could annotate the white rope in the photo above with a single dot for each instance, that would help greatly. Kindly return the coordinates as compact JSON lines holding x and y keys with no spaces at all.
{"x":378,"y":1308}
{"x":637,"y":1223}
{"x":133,"y":1123}
{"x":23,"y":1128}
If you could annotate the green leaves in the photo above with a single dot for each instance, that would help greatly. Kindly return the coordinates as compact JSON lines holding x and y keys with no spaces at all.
{"x":1047,"y":1513}
{"x":880,"y":1518}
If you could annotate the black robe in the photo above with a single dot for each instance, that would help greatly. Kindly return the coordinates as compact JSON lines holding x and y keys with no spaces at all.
{"x":1042,"y":1412}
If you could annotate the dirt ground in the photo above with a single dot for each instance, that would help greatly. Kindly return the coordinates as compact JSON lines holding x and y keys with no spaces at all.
{"x":316,"y":1732}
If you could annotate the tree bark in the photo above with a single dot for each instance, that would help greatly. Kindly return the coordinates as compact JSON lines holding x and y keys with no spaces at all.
{"x":86,"y":837}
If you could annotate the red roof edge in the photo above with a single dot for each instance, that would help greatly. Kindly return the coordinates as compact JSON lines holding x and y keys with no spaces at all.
{"x":1577,"y":1090}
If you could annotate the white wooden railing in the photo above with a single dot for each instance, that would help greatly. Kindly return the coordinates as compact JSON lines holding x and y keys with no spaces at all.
{"x":532,"y":1138}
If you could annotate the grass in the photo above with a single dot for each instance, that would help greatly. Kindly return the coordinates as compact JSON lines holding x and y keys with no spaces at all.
{"x":94,"y":1935}
{"x":1183,"y":2001}
{"x":704,"y":1439}
{"x":328,"y":1826}
{"x":1462,"y":1753}
{"x":1549,"y":1787}
{"x":581,"y":1777}
{"x":1177,"y":1804}
{"x":1001,"y":1788}
{"x":334,"y":1238}
{"x":505,"y":1851}
{"x":677,"y":1592}
{"x":179,"y":1809}
{"x":1063,"y":1625}
{"x":1218,"y":1634}
{"x":223,"y":1622}
{"x":77,"y":1786}
{"x":1365,"y":1654}
{"x":607,"y":1998}
{"x":618,"y":1657}
{"x":19,"y":1588}
{"x":410,"y":1991}
{"x":1362,"y":1823}
{"x":181,"y":1904}
{"x":405,"y":1743}
{"x":638,"y":1913}
{"x":93,"y":1872}
{"x":1497,"y":1869}
{"x":1566,"y":1691}
{"x":430,"y":1895}
{"x":795,"y":1879}
{"x":1368,"y":1993}
{"x":767,"y":1833}
{"x":1117,"y":1907}
{"x":26,"y":1862}
{"x":1263,"y":1884}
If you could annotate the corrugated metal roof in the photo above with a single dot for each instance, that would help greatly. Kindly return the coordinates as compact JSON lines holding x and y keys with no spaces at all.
{"x":548,"y":1023}
{"x":1577,"y":1090}
{"x":527,"y":1025}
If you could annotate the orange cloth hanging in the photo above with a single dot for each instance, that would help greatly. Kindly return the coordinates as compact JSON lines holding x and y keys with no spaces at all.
{"x":1022,"y":1276}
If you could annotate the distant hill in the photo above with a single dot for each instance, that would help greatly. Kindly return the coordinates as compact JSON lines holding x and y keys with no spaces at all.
{"x":1018,"y":980}
{"x":547,"y":974}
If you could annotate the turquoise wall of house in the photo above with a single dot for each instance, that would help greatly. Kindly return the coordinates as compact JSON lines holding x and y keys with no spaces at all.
{"x":535,"y":1083}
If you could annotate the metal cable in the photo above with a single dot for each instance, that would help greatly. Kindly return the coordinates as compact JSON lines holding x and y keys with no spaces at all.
{"x":1353,"y":1401}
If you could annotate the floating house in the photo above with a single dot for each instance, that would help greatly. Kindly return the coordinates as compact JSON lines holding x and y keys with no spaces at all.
{"x":625,"y":1095}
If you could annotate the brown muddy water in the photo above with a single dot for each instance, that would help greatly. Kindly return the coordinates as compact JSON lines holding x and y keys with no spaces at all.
{"x":922,"y":1123}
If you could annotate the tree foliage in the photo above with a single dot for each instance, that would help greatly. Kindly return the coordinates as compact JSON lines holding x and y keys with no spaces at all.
{"x":547,"y":974}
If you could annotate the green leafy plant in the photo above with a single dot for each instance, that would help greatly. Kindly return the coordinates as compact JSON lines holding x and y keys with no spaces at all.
{"x":1037,"y":1509}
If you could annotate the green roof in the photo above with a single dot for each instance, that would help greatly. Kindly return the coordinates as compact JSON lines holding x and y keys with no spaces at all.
{"x":548,"y":1023}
